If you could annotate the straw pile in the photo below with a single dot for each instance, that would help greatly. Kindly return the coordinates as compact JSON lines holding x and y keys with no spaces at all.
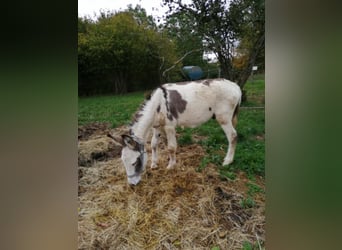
{"x":175,"y":209}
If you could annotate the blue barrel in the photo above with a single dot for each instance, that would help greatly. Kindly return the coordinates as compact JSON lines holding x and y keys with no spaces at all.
{"x":193,"y":72}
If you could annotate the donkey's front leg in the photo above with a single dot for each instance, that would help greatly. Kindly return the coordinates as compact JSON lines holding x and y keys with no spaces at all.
{"x":171,"y":146}
{"x":154,"y":146}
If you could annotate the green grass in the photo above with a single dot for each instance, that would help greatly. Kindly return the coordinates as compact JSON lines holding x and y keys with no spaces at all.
{"x":255,"y":93}
{"x":248,"y":201}
{"x":250,"y":151}
{"x":249,"y":246}
{"x":117,"y":110}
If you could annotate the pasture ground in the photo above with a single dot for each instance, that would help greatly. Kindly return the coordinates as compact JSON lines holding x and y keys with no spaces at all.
{"x":198,"y":205}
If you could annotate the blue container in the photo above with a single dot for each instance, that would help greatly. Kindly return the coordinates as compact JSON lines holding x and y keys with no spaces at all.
{"x":193,"y":72}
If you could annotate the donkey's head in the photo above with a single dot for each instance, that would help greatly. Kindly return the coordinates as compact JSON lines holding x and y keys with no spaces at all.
{"x":133,"y":156}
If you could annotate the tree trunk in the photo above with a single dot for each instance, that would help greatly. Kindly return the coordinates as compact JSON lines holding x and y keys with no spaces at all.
{"x":244,"y":75}
{"x":225,"y":67}
{"x":120,"y":86}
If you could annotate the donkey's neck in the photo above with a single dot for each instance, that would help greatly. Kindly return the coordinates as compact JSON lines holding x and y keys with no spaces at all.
{"x":145,"y":116}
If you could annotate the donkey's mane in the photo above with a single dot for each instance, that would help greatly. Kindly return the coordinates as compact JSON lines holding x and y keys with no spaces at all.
{"x":139,"y":113}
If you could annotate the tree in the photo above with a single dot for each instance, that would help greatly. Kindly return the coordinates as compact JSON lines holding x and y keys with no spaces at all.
{"x":251,"y":34}
{"x":186,"y":38}
{"x":223,"y":27}
{"x":121,"y":52}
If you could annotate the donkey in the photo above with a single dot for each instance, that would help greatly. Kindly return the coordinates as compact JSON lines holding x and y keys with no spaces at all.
{"x":186,"y":104}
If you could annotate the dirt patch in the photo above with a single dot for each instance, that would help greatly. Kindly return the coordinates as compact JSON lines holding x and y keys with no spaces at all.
{"x":101,"y":148}
{"x":98,"y":129}
{"x":168,"y":209}
{"x":93,"y":129}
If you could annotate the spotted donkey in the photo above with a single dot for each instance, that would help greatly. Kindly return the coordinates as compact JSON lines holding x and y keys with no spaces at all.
{"x":187,"y":104}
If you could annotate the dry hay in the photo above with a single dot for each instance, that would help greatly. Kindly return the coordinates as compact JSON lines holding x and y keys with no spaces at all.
{"x":175,"y":209}
{"x":94,"y":145}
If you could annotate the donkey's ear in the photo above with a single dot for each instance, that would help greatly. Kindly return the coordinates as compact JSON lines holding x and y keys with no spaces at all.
{"x":116,"y":138}
{"x":129,"y":142}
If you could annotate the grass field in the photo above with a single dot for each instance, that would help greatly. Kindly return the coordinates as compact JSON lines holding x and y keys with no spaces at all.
{"x":250,"y":151}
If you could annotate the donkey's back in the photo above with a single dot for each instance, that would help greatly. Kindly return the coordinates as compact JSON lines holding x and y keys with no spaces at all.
{"x":193,"y":103}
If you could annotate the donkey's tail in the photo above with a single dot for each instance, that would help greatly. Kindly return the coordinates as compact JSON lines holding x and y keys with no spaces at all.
{"x":236,"y":112}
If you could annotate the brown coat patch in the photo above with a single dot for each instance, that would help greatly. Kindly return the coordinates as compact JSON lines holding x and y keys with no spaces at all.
{"x":136,"y":116}
{"x":221,"y":120}
{"x":177,"y":104}
{"x":206,"y":82}
{"x":159,"y":121}
{"x":182,"y":83}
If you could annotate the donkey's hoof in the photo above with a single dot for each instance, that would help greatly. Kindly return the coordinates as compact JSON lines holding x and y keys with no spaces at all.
{"x":169,"y":167}
{"x":154,"y":166}
{"x":227,"y":162}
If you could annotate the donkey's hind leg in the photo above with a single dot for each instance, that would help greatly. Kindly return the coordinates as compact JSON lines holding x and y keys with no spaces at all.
{"x":229,"y":130}
{"x":171,"y":146}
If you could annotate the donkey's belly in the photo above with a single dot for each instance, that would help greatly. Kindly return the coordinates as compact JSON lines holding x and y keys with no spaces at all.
{"x":195,"y":117}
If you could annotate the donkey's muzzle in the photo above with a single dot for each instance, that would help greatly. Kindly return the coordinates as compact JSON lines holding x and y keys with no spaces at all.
{"x":134,"y":180}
